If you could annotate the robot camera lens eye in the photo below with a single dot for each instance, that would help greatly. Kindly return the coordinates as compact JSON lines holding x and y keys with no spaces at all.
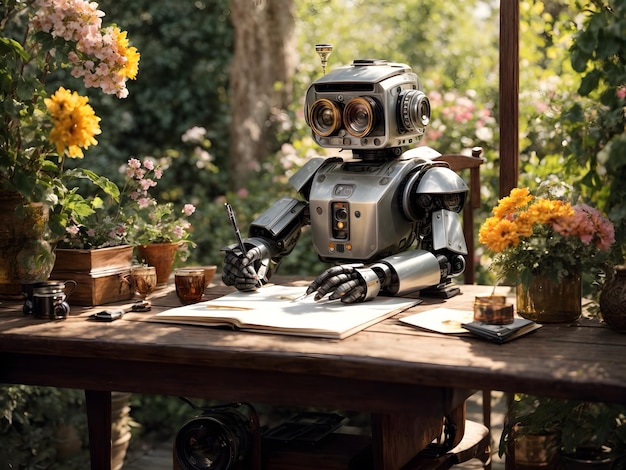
{"x":325,"y":117}
{"x":360,"y":116}
{"x":414,"y":109}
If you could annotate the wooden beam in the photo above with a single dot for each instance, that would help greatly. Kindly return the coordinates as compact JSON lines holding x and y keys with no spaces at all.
{"x":509,"y":95}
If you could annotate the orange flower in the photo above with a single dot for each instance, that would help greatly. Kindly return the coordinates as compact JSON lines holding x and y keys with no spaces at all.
{"x":530,"y":234}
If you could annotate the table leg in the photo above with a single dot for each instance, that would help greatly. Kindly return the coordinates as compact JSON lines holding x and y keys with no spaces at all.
{"x":99,"y":423}
{"x":396,"y":439}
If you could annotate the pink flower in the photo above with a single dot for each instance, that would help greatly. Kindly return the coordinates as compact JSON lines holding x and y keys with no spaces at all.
{"x":146,"y":184}
{"x":588,"y":225}
{"x":178,"y":231}
{"x":621,"y":92}
{"x":143,"y":202}
{"x":134,"y":163}
{"x":188,"y":209}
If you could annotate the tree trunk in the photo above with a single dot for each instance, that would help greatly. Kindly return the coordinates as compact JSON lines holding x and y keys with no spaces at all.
{"x":264,"y":56}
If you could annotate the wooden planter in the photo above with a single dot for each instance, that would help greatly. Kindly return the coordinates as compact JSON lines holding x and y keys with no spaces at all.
{"x":100,"y":274}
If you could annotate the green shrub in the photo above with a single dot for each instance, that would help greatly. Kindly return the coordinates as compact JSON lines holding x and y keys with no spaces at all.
{"x":34,"y":423}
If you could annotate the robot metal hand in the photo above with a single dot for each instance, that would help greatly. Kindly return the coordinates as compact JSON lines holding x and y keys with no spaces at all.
{"x":351,"y":283}
{"x":250,"y":271}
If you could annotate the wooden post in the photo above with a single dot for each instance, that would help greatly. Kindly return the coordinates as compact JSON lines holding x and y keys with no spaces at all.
{"x":509,"y":95}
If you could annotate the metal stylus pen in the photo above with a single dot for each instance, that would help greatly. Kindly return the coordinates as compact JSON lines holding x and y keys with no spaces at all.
{"x":233,"y":221}
{"x":242,"y":246}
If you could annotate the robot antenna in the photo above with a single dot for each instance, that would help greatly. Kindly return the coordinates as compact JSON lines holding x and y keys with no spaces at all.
{"x":324,"y":50}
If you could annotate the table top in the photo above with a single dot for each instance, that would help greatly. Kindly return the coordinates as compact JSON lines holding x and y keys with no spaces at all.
{"x":582,"y":360}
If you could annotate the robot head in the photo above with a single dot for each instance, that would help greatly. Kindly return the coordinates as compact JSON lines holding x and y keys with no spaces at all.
{"x":367,"y":106}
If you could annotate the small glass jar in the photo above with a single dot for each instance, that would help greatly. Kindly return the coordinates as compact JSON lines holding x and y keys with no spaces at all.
{"x":493,"y":310}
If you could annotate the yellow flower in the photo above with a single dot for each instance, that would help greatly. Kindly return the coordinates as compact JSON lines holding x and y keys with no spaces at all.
{"x":75,"y":122}
{"x":499,"y":234}
{"x":541,"y":234}
{"x":518,"y":197}
{"x":131,"y":67}
{"x":546,"y":211}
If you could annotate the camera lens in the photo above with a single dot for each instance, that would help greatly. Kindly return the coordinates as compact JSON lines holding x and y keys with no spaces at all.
{"x":360,"y":116}
{"x":220,"y":441}
{"x":325,"y":117}
{"x":414,"y":110}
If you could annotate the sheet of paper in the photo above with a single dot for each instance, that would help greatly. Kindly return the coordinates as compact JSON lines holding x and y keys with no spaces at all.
{"x":441,"y":320}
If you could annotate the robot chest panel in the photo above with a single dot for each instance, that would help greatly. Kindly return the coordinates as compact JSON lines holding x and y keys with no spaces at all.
{"x":355,"y":213}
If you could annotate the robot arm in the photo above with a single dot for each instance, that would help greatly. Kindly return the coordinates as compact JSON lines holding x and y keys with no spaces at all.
{"x":397,"y":274}
{"x":272,"y":235}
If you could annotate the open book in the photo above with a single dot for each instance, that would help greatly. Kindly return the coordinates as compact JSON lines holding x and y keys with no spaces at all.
{"x":285,"y":310}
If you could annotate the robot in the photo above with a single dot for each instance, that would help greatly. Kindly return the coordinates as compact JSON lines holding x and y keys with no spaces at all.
{"x":387,"y":219}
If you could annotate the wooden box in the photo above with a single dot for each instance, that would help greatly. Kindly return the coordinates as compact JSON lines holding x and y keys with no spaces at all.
{"x":97,"y":260}
{"x":97,"y":288}
{"x":101,"y":274}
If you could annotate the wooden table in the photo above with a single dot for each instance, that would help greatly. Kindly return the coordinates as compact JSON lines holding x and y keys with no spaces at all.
{"x":405,"y":377}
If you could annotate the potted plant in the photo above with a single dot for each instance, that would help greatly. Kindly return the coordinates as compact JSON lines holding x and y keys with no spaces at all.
{"x":160,"y":231}
{"x":40,"y":128}
{"x":543,"y":243}
{"x":576,"y":432}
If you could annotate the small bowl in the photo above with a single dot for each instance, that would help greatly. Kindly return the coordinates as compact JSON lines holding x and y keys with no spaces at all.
{"x":209,"y":272}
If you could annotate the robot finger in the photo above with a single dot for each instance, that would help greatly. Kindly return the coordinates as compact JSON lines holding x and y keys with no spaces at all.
{"x":333,"y":282}
{"x":324,"y":277}
{"x":232,"y":258}
{"x":246,"y":284}
{"x":251,"y":256}
{"x":228,"y":275}
{"x":343,"y":289}
{"x":235,"y":274}
{"x":355,"y":295}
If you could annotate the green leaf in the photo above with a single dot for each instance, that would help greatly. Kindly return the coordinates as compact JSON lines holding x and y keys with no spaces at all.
{"x":97,"y":203}
{"x":579,"y":60}
{"x":102,"y":182}
{"x":589,"y":82}
{"x":586,"y":41}
{"x":610,"y":47}
{"x":8,"y":45}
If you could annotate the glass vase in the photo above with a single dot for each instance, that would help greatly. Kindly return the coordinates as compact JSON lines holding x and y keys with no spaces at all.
{"x":545,"y":301}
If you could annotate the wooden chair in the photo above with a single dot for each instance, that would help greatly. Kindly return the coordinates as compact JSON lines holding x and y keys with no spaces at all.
{"x":472,"y":162}
{"x":475,"y":444}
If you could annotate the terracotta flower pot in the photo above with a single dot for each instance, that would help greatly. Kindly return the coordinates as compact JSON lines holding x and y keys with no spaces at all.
{"x":161,"y":256}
